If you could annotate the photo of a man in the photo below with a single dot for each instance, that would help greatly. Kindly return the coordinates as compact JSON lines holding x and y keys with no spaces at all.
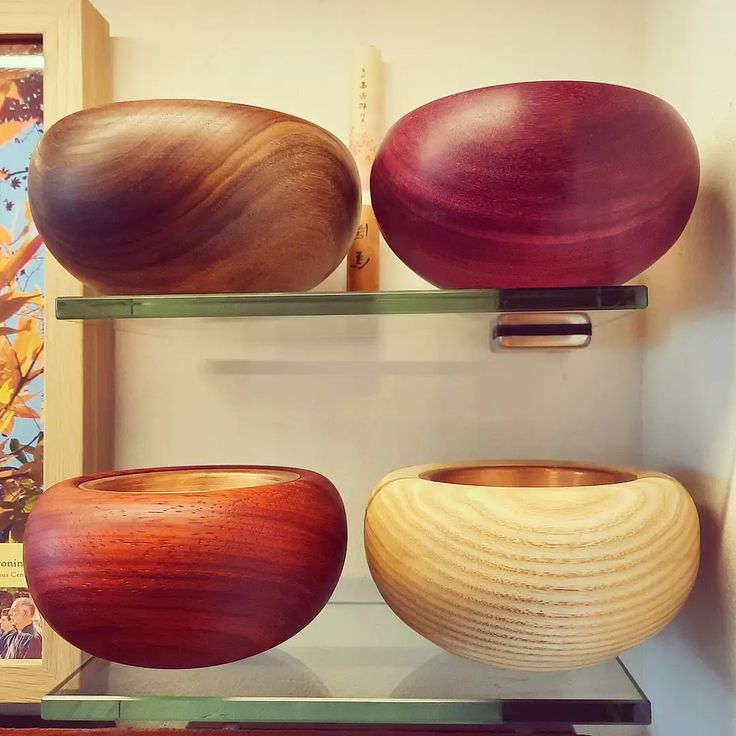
{"x":6,"y":626}
{"x":20,"y":638}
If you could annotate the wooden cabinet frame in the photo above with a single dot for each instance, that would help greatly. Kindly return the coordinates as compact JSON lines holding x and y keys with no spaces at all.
{"x":78,"y":389}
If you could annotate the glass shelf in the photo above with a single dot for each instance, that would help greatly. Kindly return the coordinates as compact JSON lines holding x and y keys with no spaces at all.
{"x":610,"y":299}
{"x":375,"y":671}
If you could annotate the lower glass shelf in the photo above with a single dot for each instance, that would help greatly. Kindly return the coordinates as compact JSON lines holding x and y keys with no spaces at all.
{"x":355,"y":664}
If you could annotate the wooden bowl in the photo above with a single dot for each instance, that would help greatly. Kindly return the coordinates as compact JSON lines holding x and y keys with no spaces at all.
{"x":184,"y":567}
{"x":532,"y":566}
{"x":538,"y":184}
{"x":191,"y":196}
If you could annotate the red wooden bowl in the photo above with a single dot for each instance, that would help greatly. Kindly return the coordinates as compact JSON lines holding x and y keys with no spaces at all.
{"x":184,"y":567}
{"x":191,"y":196}
{"x":537,"y":184}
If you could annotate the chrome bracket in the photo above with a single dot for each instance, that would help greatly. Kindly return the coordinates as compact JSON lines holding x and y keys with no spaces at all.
{"x":542,"y":330}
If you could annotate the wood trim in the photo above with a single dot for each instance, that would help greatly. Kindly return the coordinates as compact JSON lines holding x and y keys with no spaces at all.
{"x":99,"y":337}
{"x":78,"y":400}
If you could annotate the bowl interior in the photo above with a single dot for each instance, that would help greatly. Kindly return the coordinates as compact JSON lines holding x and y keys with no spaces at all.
{"x":528,"y":476}
{"x":190,"y":480}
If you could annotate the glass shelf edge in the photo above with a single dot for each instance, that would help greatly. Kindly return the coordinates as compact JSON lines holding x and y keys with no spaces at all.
{"x":390,"y":676}
{"x":572,"y":299}
{"x":398,"y":712}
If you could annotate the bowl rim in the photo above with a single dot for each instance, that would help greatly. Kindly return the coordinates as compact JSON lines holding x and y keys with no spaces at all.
{"x":216,"y":478}
{"x":530,"y":474}
{"x":417,"y":474}
{"x":553,"y":82}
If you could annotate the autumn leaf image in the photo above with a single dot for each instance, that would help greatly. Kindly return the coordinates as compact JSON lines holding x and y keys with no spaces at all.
{"x":21,"y":308}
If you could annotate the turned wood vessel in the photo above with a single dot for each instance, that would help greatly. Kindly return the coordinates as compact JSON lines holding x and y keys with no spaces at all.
{"x":536,"y":184}
{"x":191,"y":196}
{"x":184,"y":567}
{"x":532,"y":566}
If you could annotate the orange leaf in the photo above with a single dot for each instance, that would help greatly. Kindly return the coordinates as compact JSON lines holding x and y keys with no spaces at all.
{"x":12,"y":129}
{"x":9,"y":88}
{"x":28,"y":343}
{"x":9,"y":366}
{"x":22,"y":411}
{"x":9,"y":305}
{"x":7,"y":355}
{"x":5,"y":237}
{"x":27,"y":211}
{"x":7,"y":422}
{"x":9,"y":269}
{"x":25,"y":396}
{"x":6,"y":392}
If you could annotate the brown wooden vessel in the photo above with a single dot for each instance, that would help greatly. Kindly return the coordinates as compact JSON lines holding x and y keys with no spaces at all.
{"x":185,"y":196}
{"x":185,"y":567}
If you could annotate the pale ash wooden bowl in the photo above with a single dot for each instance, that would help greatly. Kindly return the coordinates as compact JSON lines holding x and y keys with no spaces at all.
{"x":532,"y":565}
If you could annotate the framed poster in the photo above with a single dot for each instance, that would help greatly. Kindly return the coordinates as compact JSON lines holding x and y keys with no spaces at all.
{"x":53,"y":423}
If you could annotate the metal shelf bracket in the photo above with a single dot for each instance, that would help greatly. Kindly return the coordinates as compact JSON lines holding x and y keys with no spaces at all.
{"x":541,"y":331}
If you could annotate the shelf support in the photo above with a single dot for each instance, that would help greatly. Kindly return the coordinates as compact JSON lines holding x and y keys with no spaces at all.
{"x":541,"y":331}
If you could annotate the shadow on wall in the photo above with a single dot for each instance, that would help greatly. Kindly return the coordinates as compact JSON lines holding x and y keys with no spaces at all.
{"x":697,"y":275}
{"x":707,"y":623}
{"x":691,"y":419}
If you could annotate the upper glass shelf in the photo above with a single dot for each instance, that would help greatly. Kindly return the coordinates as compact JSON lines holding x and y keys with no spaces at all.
{"x":355,"y":664}
{"x":580,"y":299}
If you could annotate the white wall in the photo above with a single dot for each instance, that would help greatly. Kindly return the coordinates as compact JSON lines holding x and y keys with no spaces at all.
{"x":689,"y":389}
{"x":357,"y":397}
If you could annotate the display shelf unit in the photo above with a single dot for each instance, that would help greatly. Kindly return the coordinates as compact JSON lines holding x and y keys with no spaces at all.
{"x":605,"y":302}
{"x":357,"y":664}
{"x":375,"y":671}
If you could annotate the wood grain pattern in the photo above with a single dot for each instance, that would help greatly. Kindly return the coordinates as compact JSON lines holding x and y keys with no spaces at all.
{"x":185,"y":567}
{"x":533,"y":568}
{"x":191,"y":196}
{"x":536,"y":184}
{"x":78,"y":400}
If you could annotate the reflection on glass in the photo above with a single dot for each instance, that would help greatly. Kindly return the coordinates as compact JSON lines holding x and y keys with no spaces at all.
{"x":355,"y":664}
